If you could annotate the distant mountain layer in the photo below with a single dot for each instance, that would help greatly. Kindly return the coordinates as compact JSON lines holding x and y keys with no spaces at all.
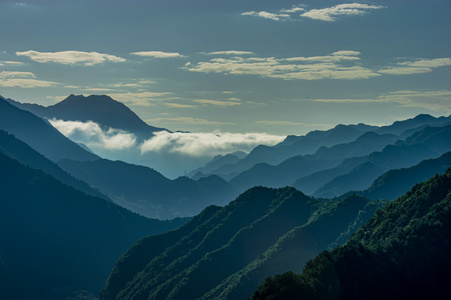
{"x":39,"y":134}
{"x":224,"y":253}
{"x":402,"y":252}
{"x":314,"y":141}
{"x":430,"y":142}
{"x":56,"y":239}
{"x":100,"y":109}
{"x":144,"y":190}
{"x":397,"y":182}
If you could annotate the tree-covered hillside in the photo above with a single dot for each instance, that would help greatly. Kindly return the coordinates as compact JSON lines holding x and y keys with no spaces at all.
{"x":224,"y":253}
{"x":402,"y":252}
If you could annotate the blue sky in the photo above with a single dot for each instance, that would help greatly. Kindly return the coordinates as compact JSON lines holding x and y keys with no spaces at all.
{"x":275,"y":67}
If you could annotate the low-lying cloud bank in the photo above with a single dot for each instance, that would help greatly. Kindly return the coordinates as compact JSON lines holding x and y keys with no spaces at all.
{"x":92,"y":135}
{"x":207,"y":144}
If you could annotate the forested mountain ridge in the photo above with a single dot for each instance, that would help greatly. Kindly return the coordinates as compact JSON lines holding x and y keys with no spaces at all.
{"x":56,"y":239}
{"x":401,"y":252}
{"x":233,"y":248}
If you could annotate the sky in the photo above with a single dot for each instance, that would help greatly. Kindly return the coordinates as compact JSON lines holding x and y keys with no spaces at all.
{"x":279,"y":67}
{"x":240,"y":67}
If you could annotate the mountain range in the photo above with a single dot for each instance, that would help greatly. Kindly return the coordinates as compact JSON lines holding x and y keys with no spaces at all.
{"x":66,"y":213}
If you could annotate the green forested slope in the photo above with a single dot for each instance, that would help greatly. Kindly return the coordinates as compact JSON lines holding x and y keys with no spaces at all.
{"x":224,"y":253}
{"x":402,"y":252}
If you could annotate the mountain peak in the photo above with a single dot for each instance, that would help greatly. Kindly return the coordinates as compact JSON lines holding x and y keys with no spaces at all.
{"x":103,"y":110}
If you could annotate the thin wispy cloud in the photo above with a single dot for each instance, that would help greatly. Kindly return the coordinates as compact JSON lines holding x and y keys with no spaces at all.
{"x":11,"y":63}
{"x":267,"y":15}
{"x":438,"y":101}
{"x":207,"y":144}
{"x":23,"y":80}
{"x":338,"y":65}
{"x":158,"y":54}
{"x":140,"y":98}
{"x":328,"y":14}
{"x":230,"y":52}
{"x":76,"y":58}
{"x":217,"y":102}
{"x":333,"y":13}
{"x":418,"y":66}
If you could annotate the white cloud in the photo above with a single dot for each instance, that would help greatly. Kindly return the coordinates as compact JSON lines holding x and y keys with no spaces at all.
{"x":333,"y":13}
{"x":207,"y":144}
{"x":22,"y":80}
{"x":418,"y":66}
{"x":11,"y":63}
{"x":334,"y":66}
{"x":292,"y":10}
{"x":267,"y":15}
{"x":230,"y":52}
{"x":158,"y":54}
{"x":71,"y":57}
{"x":328,"y":14}
{"x":93,"y":136}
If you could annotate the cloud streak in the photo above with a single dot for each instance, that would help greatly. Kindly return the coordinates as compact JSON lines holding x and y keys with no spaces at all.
{"x":71,"y":57}
{"x":22,"y":80}
{"x":333,"y":13}
{"x":328,"y":14}
{"x":158,"y":54}
{"x":333,"y":66}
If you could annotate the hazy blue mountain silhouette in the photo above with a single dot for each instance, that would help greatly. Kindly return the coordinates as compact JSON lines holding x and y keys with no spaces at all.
{"x":314,"y":140}
{"x":100,"y":109}
{"x":15,"y":148}
{"x":224,"y":253}
{"x":144,"y":190}
{"x":299,"y":166}
{"x":56,"y":239}
{"x":39,"y":134}
{"x":397,"y":182}
{"x":431,"y":142}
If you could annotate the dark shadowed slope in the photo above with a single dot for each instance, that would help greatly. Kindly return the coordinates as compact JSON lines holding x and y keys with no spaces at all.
{"x":402,"y":252}
{"x":39,"y":134}
{"x":56,"y":239}
{"x":232,"y":249}
{"x":14,"y":148}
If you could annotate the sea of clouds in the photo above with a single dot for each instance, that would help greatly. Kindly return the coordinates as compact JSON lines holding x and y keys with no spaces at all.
{"x":172,"y":154}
